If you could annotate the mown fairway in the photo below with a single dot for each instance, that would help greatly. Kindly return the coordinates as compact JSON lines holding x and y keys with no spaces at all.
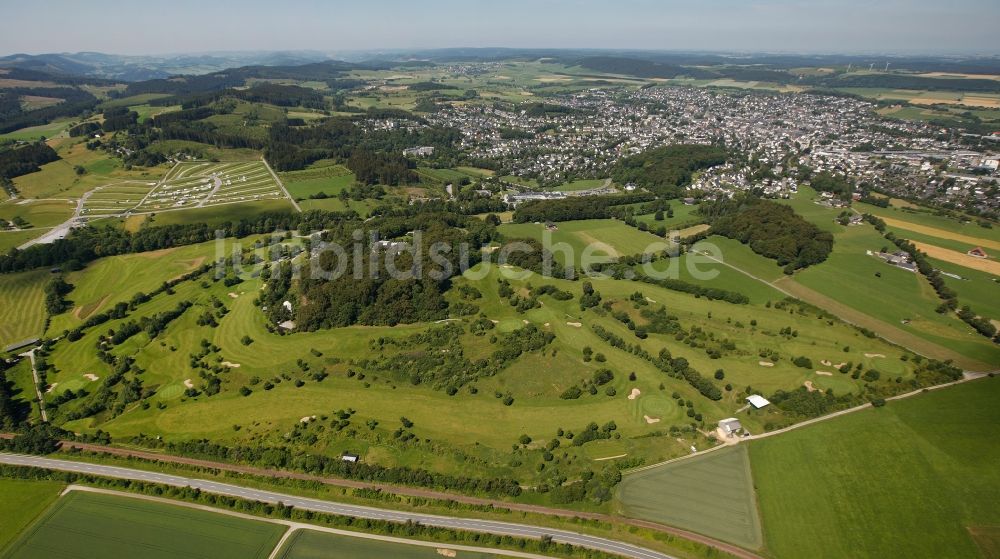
{"x":907,"y":480}
{"x":711,"y":494}
{"x":537,"y":411}
{"x":22,"y":300}
{"x":21,"y":502}
{"x":108,"y":281}
{"x":84,"y":525}
{"x":308,"y":544}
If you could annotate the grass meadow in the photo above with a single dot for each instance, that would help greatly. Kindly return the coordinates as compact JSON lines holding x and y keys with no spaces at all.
{"x":23,"y":302}
{"x":602,"y":238}
{"x":39,"y":213}
{"x":326,"y":179}
{"x":911,"y":479}
{"x":895,"y":297}
{"x":311,"y":544}
{"x":21,"y":503}
{"x":83,"y":524}
{"x":711,"y":494}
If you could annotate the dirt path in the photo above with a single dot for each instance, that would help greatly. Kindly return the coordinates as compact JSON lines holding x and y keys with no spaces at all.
{"x":281,"y":185}
{"x":38,"y":388}
{"x":413,"y":492}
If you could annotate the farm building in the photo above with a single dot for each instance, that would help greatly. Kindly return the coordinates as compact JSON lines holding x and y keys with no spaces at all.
{"x":731,"y":427}
{"x":978,"y":252}
{"x":350,"y":457}
{"x":757,"y":401}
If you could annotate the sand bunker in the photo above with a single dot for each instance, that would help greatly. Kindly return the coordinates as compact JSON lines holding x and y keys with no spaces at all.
{"x":765,"y":363}
{"x":824,"y":373}
{"x":233,"y":295}
{"x":91,"y":377}
{"x":447,"y":552}
{"x":307,"y":419}
{"x":651,"y":420}
{"x":635,"y":394}
{"x":826,"y":362}
{"x":574,"y":324}
{"x":871,"y":355}
{"x":809,"y":386}
{"x":188,"y":383}
{"x":230,"y":365}
{"x":51,"y":387}
{"x":839,"y":365}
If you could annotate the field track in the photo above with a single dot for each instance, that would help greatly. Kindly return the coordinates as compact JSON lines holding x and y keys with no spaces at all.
{"x":955,"y":257}
{"x":941,"y":233}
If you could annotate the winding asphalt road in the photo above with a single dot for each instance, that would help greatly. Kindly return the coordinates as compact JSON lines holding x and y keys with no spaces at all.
{"x":317,"y":505}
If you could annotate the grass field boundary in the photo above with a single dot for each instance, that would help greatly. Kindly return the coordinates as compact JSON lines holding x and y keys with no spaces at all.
{"x":968,"y":378}
{"x":281,"y":185}
{"x":293,"y":528}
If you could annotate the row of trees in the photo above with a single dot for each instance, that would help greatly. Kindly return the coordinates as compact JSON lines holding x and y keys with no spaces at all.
{"x":567,"y":209}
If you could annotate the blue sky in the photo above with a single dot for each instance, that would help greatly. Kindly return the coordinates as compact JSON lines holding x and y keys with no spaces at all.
{"x":149,"y":26}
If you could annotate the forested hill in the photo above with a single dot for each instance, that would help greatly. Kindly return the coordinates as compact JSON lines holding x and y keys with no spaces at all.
{"x":667,"y":171}
{"x":770,"y":229}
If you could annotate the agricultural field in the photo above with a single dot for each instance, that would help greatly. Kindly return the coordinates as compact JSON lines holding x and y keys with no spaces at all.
{"x":603,"y":239}
{"x":911,"y":479}
{"x":311,"y":544}
{"x":23,"y":501}
{"x":38,"y":213}
{"x":328,"y":179}
{"x":711,"y":494}
{"x":197,"y":185}
{"x":22,"y":300}
{"x":896,"y":298}
{"x":59,"y":179}
{"x":53,"y":129}
{"x":14,"y":239}
{"x":85,"y":524}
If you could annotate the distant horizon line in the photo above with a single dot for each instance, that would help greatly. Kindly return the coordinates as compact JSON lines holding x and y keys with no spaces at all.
{"x":331,"y":53}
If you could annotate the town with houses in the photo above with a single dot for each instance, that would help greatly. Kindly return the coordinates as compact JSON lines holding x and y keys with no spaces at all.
{"x":772,"y":139}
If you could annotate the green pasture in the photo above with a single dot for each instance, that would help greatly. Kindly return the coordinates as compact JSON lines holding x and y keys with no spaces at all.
{"x":82,"y":525}
{"x":330,"y":180}
{"x":38,"y":213}
{"x":601,"y":238}
{"x":21,"y":502}
{"x":911,"y":479}
{"x":23,"y":302}
{"x":711,"y":494}
{"x":311,"y":544}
